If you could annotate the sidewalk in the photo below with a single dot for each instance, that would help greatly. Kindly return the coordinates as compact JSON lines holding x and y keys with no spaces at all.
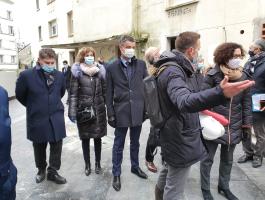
{"x":246,"y":182}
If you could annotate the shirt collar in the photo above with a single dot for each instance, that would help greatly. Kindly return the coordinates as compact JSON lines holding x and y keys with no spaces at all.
{"x":125,"y":61}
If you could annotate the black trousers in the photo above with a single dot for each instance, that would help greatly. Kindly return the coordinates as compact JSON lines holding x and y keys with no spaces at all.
{"x":225,"y":167}
{"x":86,"y":149}
{"x":55,"y":155}
{"x":259,"y":129}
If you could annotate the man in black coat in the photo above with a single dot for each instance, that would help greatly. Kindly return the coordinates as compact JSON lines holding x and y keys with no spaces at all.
{"x":67,"y":74}
{"x":40,"y":90}
{"x":8,"y":172}
{"x":256,"y":67}
{"x":125,"y":106}
{"x":180,"y":102}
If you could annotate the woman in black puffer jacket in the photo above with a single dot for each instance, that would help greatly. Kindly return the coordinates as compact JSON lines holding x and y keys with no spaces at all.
{"x":87,"y":87}
{"x":228,"y":59}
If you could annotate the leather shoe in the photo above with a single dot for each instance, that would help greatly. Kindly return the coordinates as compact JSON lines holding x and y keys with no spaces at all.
{"x":207,"y":194}
{"x":116,"y":184}
{"x":244,"y":158}
{"x":97,"y":168}
{"x":88,"y":169}
{"x":139,"y":172}
{"x":40,"y":175}
{"x":227,"y":193}
{"x":257,"y":161}
{"x":56,"y":178}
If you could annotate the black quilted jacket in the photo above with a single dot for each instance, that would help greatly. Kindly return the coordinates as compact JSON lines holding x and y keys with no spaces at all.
{"x":241,"y":114}
{"x":83,"y":90}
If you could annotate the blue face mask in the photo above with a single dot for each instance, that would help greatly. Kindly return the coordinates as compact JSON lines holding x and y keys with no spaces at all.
{"x":47,"y":68}
{"x":200,"y":66}
{"x":89,"y":60}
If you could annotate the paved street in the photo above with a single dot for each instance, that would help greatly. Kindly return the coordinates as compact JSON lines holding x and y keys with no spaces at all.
{"x":247,"y":183}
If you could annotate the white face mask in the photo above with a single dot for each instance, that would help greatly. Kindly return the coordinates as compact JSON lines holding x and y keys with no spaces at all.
{"x":234,"y":63}
{"x":129,"y":53}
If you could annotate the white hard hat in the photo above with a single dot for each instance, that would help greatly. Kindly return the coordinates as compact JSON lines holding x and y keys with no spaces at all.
{"x":211,"y":128}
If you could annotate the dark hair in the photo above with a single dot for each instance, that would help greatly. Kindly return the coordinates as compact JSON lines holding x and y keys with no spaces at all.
{"x":224,"y":52}
{"x":125,"y":38}
{"x":186,"y":40}
{"x":65,"y":62}
{"x":47,"y":53}
{"x":82,"y":52}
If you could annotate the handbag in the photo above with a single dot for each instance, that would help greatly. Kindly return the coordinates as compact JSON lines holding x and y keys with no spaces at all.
{"x":88,"y":113}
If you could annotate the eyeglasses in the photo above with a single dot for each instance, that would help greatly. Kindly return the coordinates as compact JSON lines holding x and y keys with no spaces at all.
{"x":237,"y":56}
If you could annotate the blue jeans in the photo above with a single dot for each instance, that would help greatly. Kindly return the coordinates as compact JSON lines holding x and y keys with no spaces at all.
{"x":118,"y":146}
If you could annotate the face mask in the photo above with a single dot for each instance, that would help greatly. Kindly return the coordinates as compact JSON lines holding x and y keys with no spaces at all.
{"x":47,"y":68}
{"x":89,"y":60}
{"x":251,"y":53}
{"x":65,"y":65}
{"x":129,"y":53}
{"x":200,"y":66}
{"x":234,"y":63}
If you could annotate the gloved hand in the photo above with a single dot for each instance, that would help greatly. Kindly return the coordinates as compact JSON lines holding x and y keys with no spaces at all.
{"x":112,"y":121}
{"x":72,"y":119}
{"x":246,"y":134}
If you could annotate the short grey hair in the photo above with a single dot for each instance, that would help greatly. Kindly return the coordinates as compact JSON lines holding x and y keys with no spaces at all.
{"x":125,"y":38}
{"x":260,"y":43}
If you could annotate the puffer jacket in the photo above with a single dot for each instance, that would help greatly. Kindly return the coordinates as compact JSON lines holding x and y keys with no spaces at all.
{"x":83,"y":90}
{"x":180,"y":101}
{"x":241,"y":114}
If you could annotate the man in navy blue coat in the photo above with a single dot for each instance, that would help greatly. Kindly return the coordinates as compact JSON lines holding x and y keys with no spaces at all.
{"x":125,"y":106}
{"x":8,"y":172}
{"x":40,"y":90}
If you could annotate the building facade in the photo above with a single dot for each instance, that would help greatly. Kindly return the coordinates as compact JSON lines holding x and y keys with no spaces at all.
{"x":8,"y":49}
{"x":240,"y":21}
{"x":69,"y":25}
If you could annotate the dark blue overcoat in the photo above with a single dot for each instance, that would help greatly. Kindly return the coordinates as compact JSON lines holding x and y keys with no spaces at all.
{"x":8,"y":172}
{"x":45,"y":110}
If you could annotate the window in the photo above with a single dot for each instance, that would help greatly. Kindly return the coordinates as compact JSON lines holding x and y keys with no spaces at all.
{"x":1,"y":59}
{"x":263,"y":31}
{"x":171,"y":42}
{"x":37,"y":4}
{"x":70,"y":23}
{"x":10,"y":30}
{"x":53,"y":28}
{"x":40,"y":34}
{"x":13,"y":59}
{"x":9,"y":15}
{"x":50,"y":1}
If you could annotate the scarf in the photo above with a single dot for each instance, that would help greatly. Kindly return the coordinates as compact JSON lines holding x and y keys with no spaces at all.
{"x":256,"y":59}
{"x":233,"y":74}
{"x":89,"y":70}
